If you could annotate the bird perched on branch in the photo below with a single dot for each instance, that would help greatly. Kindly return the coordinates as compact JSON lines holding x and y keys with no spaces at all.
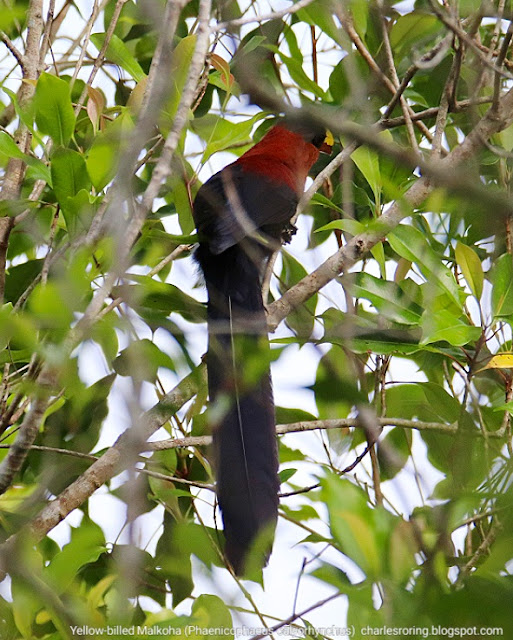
{"x":243,"y":215}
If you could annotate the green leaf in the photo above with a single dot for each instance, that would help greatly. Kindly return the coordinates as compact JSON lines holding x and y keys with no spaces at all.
{"x":102,"y":160}
{"x":321,"y":199}
{"x":443,"y":325}
{"x":411,"y":29}
{"x":17,"y":331}
{"x":12,"y":15}
{"x":446,"y":406}
{"x":181,"y":195}
{"x":297,"y":73}
{"x":286,"y":415}
{"x":69,"y":174}
{"x":321,"y":14}
{"x":25,"y":600}
{"x":142,"y":359}
{"x":181,"y":59}
{"x":384,"y":347}
{"x":411,"y":244}
{"x":37,"y":170}
{"x":104,"y":333}
{"x":210,"y":612}
{"x":69,"y":177}
{"x":354,"y":227}
{"x":368,"y":162}
{"x":164,"y":298}
{"x":165,"y":492}
{"x":8,"y":147}
{"x":78,"y":211}
{"x":11,"y":150}
{"x":86,"y":545}
{"x":221,"y":134}
{"x":77,"y":425}
{"x":387,"y":297}
{"x":14,"y":498}
{"x":502,"y":282}
{"x":304,"y":512}
{"x":506,"y":138}
{"x":54,"y":111}
{"x":119,"y":53}
{"x":341,"y":83}
{"x":286,"y":474}
{"x":108,"y":146}
{"x":403,"y":546}
{"x":25,"y":114}
{"x":394,"y":451}
{"x":352,"y":523}
{"x":471,"y":267}
{"x":360,"y":14}
{"x":8,"y":356}
{"x":424,"y":401}
{"x":19,"y":277}
{"x":49,"y":307}
{"x":302,"y":319}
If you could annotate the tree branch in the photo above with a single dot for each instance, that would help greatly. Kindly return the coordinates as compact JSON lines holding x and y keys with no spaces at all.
{"x":230,"y":24}
{"x":439,"y":172}
{"x":126,"y":237}
{"x":112,"y":462}
{"x":30,"y":66}
{"x":12,"y":48}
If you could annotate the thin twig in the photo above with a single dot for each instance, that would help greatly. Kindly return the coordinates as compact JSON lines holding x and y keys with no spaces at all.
{"x":85,"y":43}
{"x":230,"y":24}
{"x":296,"y":616}
{"x":12,"y":48}
{"x":469,"y":41}
{"x":101,"y":55}
{"x":498,"y":80}
{"x":432,"y":112}
{"x":6,"y":225}
{"x":395,"y":78}
{"x":47,"y":33}
{"x":346,"y":21}
{"x":482,"y":550}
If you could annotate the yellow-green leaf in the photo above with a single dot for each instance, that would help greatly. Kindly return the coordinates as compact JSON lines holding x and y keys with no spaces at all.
{"x":471,"y":267}
{"x":502,"y":282}
{"x":179,"y":69}
{"x":499,"y":361}
{"x":119,"y":53}
{"x":412,"y":245}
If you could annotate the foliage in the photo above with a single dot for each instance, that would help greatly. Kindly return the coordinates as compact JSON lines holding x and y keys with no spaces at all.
{"x":403,"y":506}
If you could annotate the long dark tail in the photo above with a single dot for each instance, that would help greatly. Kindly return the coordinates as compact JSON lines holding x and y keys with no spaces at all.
{"x":246,"y":457}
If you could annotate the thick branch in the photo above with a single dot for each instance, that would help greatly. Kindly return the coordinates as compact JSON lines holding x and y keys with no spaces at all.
{"x":30,"y":67}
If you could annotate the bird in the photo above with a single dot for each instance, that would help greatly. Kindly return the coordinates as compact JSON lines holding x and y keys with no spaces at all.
{"x":243,"y":214}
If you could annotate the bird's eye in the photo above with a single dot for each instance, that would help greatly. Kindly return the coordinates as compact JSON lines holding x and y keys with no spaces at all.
{"x":324,"y":141}
{"x":318,"y":139}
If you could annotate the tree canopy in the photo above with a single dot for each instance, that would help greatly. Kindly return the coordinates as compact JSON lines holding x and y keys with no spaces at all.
{"x":392,"y":309}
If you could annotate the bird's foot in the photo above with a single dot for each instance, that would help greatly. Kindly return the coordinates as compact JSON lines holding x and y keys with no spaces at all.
{"x":289,"y":231}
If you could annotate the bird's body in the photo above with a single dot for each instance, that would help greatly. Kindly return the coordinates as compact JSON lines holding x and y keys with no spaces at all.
{"x":242,"y":214}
